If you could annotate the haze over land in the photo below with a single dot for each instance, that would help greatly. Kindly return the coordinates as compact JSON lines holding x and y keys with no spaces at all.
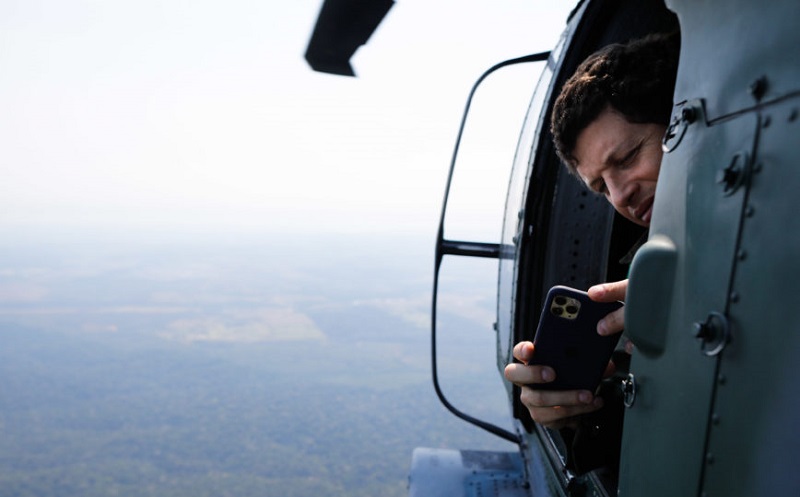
{"x":269,"y":368}
{"x":215,"y":267}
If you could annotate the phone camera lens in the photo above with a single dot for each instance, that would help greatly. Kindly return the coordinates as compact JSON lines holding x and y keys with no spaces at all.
{"x":560,"y":300}
{"x":557,"y":311}
{"x":571,"y":309}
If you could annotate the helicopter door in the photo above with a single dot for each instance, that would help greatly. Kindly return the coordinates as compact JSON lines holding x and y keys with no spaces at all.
{"x":752,"y":430}
{"x":713,"y":393}
{"x":678,"y":301}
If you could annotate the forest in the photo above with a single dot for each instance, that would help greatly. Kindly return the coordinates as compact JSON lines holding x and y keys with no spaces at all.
{"x":101,"y":394}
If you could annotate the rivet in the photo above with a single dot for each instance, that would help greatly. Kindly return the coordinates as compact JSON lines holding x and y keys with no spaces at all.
{"x":749,"y":211}
{"x":734,"y":297}
{"x":767,"y":121}
{"x":709,"y":458}
{"x":758,"y":88}
{"x":721,"y":379}
{"x":715,"y":418}
{"x":792,"y":115}
{"x":742,"y":255}
{"x":757,"y":167}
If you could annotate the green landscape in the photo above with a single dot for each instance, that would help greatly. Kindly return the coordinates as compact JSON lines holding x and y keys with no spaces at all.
{"x":101,"y":395}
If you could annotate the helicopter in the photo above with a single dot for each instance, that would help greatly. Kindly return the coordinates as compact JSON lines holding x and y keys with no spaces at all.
{"x":710,"y":400}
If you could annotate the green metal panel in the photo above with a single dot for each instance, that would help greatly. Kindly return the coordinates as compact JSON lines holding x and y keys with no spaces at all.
{"x":726,"y":45}
{"x":753,"y":433}
{"x":726,"y":220}
{"x":665,"y":429}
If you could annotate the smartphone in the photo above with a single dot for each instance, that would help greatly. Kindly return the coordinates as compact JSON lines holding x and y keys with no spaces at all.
{"x":567,"y":340}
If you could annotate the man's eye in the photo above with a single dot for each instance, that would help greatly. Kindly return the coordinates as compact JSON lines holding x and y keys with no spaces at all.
{"x":599,"y":187}
{"x":628,"y":158}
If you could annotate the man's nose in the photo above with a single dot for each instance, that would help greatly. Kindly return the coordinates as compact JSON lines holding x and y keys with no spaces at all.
{"x":620,"y":191}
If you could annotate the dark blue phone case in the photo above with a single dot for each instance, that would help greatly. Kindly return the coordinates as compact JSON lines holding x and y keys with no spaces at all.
{"x":568,"y":342}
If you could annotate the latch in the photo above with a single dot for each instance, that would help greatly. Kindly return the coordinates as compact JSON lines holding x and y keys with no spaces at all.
{"x":628,"y":387}
{"x":677,"y":127}
{"x":714,"y":334}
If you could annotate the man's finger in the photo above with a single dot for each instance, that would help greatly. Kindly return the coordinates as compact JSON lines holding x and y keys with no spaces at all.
{"x":523,"y":351}
{"x":614,"y":322}
{"x":552,"y":398}
{"x":609,"y":292}
{"x":522,"y":375}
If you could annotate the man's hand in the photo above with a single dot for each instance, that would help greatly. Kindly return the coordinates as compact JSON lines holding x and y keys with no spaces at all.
{"x":553,"y":409}
{"x":559,"y":408}
{"x":610,"y":292}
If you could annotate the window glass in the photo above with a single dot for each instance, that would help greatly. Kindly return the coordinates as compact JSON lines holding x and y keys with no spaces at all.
{"x":528,"y":143}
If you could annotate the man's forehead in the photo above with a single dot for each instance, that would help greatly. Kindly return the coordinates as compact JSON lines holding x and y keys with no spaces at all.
{"x":598,"y":154}
{"x":601,"y":144}
{"x":594,"y":141}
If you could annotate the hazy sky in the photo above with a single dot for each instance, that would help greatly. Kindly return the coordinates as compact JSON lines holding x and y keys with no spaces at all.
{"x":173,"y":115}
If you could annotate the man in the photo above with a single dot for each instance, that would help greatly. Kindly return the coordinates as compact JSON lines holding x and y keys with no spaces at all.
{"x":607,"y":125}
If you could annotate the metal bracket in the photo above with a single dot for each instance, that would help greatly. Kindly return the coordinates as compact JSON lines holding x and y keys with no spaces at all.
{"x":677,"y":128}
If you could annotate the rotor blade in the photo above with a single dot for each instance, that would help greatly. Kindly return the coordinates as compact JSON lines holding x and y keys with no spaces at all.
{"x":343,"y":26}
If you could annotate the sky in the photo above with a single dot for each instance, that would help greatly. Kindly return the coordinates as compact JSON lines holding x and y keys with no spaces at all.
{"x":170,"y":116}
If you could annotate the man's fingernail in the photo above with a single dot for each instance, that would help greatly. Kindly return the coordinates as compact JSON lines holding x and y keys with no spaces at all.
{"x":585,"y":397}
{"x":548,"y":374}
{"x":598,"y":402}
{"x":629,"y":347}
{"x":602,"y":330}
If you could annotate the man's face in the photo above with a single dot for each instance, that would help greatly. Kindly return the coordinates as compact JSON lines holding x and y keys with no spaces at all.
{"x":621,"y":160}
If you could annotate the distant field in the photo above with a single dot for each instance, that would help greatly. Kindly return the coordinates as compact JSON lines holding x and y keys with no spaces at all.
{"x":304,"y":377}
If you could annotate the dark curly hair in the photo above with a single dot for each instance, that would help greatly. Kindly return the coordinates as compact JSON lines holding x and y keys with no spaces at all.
{"x":636,"y":79}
